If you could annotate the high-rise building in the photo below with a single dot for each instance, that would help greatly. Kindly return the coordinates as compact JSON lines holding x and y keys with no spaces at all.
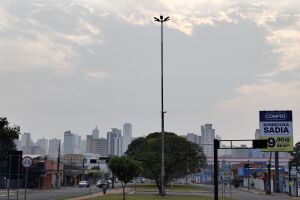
{"x":53,"y":147}
{"x":25,"y":143}
{"x":43,"y":143}
{"x":127,"y":136}
{"x":77,"y":143}
{"x":68,"y":142}
{"x":82,"y":147}
{"x":114,"y":142}
{"x":99,"y":146}
{"x":193,"y":138}
{"x":95,"y":133}
{"x":96,"y":145}
{"x":72,"y":143}
{"x":207,"y":139}
{"x":89,"y":139}
{"x":37,"y":150}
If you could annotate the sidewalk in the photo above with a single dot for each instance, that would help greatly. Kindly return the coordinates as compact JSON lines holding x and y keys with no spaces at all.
{"x":261,"y":192}
{"x":111,"y":191}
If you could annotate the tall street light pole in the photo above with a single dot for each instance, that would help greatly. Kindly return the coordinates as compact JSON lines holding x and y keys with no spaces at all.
{"x":161,"y":19}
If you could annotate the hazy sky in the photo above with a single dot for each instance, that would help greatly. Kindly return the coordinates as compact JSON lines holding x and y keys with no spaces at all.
{"x":77,"y":64}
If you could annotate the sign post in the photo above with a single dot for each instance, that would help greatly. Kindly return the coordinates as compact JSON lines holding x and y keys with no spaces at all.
{"x":26,"y":162}
{"x":277,"y":128}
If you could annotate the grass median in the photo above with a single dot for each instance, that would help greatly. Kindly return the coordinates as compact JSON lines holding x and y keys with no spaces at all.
{"x":174,"y":188}
{"x":150,"y":197}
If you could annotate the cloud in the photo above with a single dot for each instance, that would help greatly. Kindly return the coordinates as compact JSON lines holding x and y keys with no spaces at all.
{"x":5,"y":19}
{"x":96,"y":74}
{"x":89,"y":27}
{"x":72,"y":25}
{"x":238,"y":117}
{"x":25,"y":54}
{"x":286,"y":42}
{"x":50,"y":37}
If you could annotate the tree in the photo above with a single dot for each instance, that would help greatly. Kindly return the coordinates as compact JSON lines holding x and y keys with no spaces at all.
{"x":7,"y":136}
{"x":181,"y":156}
{"x":125,"y":169}
{"x":296,"y":155}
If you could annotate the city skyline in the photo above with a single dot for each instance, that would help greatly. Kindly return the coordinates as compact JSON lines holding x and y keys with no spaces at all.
{"x":75,"y":64}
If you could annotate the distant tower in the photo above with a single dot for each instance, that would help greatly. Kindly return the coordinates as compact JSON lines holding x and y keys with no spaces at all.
{"x":89,"y":139}
{"x":99,"y":146}
{"x":69,"y":142}
{"x":25,"y":143}
{"x":127,"y":136}
{"x":207,"y":137}
{"x":53,"y":147}
{"x":43,"y":143}
{"x":191,"y":137}
{"x":114,"y":142}
{"x":95,"y":133}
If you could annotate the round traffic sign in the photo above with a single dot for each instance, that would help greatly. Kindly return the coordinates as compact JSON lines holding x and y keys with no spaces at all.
{"x":26,"y":161}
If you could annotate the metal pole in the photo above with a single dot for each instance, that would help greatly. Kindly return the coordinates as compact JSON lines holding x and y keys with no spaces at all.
{"x":248,"y":175}
{"x":216,"y":170}
{"x":277,"y":172}
{"x":186,"y":177}
{"x":162,"y":119}
{"x":19,"y":160}
{"x":113,"y":180}
{"x":290,"y":189}
{"x":82,"y":168}
{"x":90,"y":183}
{"x":296,"y":184}
{"x":269,"y":175}
{"x":9,"y":171}
{"x":57,"y":169}
{"x":230,"y":180}
{"x":26,"y":179}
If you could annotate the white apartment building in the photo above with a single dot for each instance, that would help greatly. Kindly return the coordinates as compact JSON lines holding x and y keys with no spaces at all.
{"x":114,"y":142}
{"x":194,"y":138}
{"x":207,"y":139}
{"x":127,"y":136}
{"x":43,"y":144}
{"x":53,"y":147}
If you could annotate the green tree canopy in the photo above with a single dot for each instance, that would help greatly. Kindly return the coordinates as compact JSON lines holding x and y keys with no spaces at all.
{"x":7,"y":136}
{"x":296,"y":158}
{"x":125,"y":169}
{"x":181,"y":156}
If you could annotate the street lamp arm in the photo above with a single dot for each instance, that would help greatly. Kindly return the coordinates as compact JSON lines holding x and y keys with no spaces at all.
{"x":156,"y":19}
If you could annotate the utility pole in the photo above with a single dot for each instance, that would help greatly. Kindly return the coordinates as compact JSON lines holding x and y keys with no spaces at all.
{"x":277,"y":172}
{"x":57,"y":169}
{"x":269,"y":175}
{"x":9,"y":172}
{"x":248,"y":175}
{"x":82,"y":168}
{"x":290,"y":188}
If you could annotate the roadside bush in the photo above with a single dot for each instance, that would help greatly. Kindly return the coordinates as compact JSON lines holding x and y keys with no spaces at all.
{"x":236,"y":181}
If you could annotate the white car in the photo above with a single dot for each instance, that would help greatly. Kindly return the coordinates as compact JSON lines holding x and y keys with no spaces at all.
{"x":83,"y":184}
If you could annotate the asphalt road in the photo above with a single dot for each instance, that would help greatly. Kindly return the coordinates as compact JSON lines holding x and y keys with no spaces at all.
{"x":50,"y":194}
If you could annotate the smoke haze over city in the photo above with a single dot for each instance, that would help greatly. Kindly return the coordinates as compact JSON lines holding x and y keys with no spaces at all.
{"x":74,"y":65}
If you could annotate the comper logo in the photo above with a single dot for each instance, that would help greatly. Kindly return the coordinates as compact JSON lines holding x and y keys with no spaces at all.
{"x":276,"y":116}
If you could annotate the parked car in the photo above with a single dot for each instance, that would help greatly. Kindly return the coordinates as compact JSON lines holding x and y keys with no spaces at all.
{"x":84,"y":184}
